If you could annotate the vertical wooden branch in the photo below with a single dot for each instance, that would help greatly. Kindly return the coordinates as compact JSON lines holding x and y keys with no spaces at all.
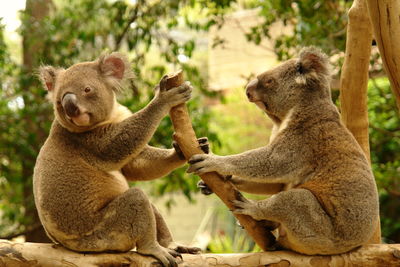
{"x":385,"y":20}
{"x":354,"y":79}
{"x":186,"y":138}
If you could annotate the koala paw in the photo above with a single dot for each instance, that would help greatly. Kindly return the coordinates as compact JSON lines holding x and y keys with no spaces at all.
{"x":203,"y":144}
{"x":173,"y":96}
{"x":203,"y":163}
{"x":183,"y":249}
{"x":165,"y":255}
{"x":204,"y":189}
{"x":247,"y":207}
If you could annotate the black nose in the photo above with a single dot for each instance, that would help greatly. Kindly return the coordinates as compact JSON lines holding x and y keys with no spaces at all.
{"x":248,"y":94}
{"x":251,"y":86}
{"x":70,"y":105}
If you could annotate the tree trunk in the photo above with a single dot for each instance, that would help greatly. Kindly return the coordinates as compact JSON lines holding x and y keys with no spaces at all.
{"x":186,"y":138}
{"x":385,"y":20}
{"x":47,"y":255}
{"x":354,"y":80}
{"x":33,"y":47}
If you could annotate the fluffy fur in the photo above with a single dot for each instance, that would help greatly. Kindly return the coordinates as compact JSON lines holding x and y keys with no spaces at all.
{"x":325,"y":198}
{"x":94,"y":146}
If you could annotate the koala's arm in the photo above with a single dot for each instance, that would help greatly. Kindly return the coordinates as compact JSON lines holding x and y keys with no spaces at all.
{"x":152,"y":163}
{"x":245,"y":185}
{"x":271,"y":164}
{"x":117,"y":143}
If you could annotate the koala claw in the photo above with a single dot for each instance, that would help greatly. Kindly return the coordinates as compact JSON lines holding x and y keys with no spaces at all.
{"x":197,"y":158}
{"x":163,"y":82}
{"x":164,"y":255}
{"x":174,"y":253}
{"x":246,"y":207}
{"x":204,"y":189}
{"x":185,"y":249}
{"x":203,"y":144}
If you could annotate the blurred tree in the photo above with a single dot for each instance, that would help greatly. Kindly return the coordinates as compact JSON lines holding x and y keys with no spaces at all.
{"x":64,"y":32}
{"x":313,"y":22}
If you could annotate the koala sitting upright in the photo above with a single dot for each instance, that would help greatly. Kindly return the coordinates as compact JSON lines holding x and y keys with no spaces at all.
{"x":94,"y":145}
{"x":325,"y":198}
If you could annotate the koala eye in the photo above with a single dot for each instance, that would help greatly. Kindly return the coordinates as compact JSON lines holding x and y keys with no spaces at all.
{"x":87,"y":89}
{"x":269,"y":81}
{"x":299,"y":68}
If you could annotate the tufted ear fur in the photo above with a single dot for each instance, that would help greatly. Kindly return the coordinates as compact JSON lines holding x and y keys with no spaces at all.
{"x":312,"y":59}
{"x":48,"y":76}
{"x":115,"y":68}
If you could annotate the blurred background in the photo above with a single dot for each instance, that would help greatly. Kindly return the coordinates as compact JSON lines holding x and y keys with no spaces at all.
{"x":220,"y":45}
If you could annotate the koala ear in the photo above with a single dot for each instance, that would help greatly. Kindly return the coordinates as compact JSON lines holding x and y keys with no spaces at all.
{"x":115,"y":68}
{"x":312,"y":59}
{"x":47,"y":75}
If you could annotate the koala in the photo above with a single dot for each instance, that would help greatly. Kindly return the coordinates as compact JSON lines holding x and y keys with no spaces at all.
{"x":324,"y":197}
{"x":94,"y":146}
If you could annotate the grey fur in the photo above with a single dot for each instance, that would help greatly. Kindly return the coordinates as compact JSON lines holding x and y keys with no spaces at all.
{"x":329,"y":203}
{"x":82,"y":197}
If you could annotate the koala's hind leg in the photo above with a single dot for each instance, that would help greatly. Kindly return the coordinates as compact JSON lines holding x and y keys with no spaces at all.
{"x":126,"y":222}
{"x":304,"y":226}
{"x":164,"y":236}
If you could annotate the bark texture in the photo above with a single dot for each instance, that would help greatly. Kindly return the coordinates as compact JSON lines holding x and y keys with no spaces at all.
{"x":385,"y":20}
{"x":48,"y":255}
{"x":354,"y":80}
{"x":186,"y":138}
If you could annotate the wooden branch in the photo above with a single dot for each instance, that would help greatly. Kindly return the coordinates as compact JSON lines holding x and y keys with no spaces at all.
{"x":186,"y":138}
{"x":354,"y":80}
{"x":49,"y":255}
{"x":384,"y":15}
{"x":120,"y":37}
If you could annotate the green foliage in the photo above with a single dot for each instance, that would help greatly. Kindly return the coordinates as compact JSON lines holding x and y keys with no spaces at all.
{"x":227,"y":244}
{"x":310,"y":22}
{"x":241,"y":125}
{"x":227,"y":235}
{"x":385,"y":146}
{"x":11,"y":145}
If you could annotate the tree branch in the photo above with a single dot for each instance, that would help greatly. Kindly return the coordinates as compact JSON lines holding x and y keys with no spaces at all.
{"x":186,"y":138}
{"x":50,"y":255}
{"x":133,"y":18}
{"x":384,"y":15}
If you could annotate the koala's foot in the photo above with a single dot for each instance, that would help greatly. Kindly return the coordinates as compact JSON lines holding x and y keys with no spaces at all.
{"x":165,"y":255}
{"x":183,"y":249}
{"x":248,"y":207}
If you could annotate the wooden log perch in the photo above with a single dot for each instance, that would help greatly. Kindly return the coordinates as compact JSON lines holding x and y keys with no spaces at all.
{"x":49,"y":255}
{"x":354,"y":80}
{"x":385,"y":20}
{"x":186,"y":138}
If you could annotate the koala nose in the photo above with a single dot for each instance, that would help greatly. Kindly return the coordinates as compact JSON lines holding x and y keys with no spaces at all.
{"x":251,"y":86}
{"x":69,"y":103}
